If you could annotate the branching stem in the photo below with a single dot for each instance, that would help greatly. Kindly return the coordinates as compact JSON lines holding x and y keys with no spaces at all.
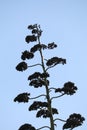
{"x":35,"y":65}
{"x":38,"y":96}
{"x":57,"y":96}
{"x":43,"y":127}
{"x":52,"y":88}
{"x":59,"y":120}
{"x":50,"y":67}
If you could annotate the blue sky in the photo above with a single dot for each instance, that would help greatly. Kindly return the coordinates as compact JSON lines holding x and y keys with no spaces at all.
{"x":65,"y":23}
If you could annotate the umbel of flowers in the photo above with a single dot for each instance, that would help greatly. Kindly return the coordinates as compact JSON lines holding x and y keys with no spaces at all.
{"x":39,"y":79}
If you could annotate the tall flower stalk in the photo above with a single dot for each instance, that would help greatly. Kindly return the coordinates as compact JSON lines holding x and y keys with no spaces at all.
{"x":38,"y":79}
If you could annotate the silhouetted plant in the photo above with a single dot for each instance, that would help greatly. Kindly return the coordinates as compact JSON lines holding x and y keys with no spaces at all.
{"x":38,"y":79}
{"x":73,"y":121}
{"x":23,"y":97}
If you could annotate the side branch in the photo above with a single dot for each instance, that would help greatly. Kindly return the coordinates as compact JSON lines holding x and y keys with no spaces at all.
{"x":51,"y":67}
{"x":43,"y":127}
{"x":59,"y":120}
{"x":35,"y":65}
{"x":38,"y":96}
{"x":52,"y":88}
{"x":57,"y":96}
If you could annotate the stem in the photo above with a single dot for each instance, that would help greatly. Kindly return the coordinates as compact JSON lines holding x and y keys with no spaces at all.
{"x":47,"y":90}
{"x":43,"y":127}
{"x":51,"y":67}
{"x":37,"y":96}
{"x":57,"y":96}
{"x":59,"y":120}
{"x":52,"y":88}
{"x":34,"y":65}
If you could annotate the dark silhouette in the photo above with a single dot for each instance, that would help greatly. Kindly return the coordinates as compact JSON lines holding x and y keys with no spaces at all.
{"x":39,"y":79}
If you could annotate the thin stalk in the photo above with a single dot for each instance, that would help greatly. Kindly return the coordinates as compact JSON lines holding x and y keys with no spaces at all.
{"x":57,"y":96}
{"x":59,"y":120}
{"x":35,"y":65}
{"x":37,"y":96}
{"x":43,"y":127}
{"x":47,"y":91}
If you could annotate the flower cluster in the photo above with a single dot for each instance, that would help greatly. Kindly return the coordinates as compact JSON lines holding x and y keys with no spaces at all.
{"x":52,"y":45}
{"x":21,"y":66}
{"x":38,"y":83}
{"x":32,"y":26}
{"x":38,"y":79}
{"x":55,"y":60}
{"x":30,"y":38}
{"x":35,"y":29}
{"x":37,"y":47}
{"x":38,"y":105}
{"x":43,"y":106}
{"x":23,"y":97}
{"x":73,"y":121}
{"x":27,"y":55}
{"x":27,"y":127}
{"x":54,"y":111}
{"x":38,"y":75}
{"x":69,"y":88}
{"x":45,"y":113}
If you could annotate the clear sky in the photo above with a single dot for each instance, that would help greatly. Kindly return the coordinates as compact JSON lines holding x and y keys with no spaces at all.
{"x":65,"y":23}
